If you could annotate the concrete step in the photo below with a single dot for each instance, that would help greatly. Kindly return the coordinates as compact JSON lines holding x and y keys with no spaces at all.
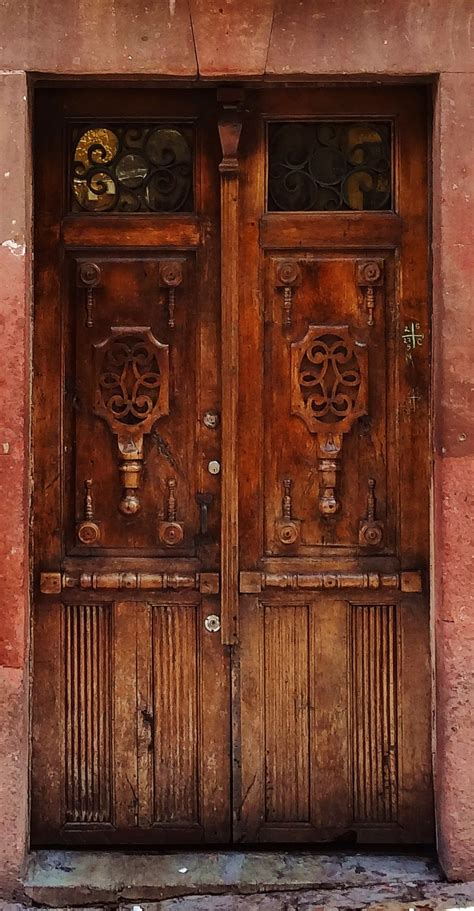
{"x":78,"y":878}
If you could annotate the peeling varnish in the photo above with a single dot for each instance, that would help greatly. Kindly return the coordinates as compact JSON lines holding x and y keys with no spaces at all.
{"x":14,"y":247}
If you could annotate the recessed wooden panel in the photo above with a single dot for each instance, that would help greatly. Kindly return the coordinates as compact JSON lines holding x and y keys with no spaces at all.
{"x":328,"y":294}
{"x":129,"y":363}
{"x":88,"y":698}
{"x":374,"y":712}
{"x":176,"y":714}
{"x":286,"y":712}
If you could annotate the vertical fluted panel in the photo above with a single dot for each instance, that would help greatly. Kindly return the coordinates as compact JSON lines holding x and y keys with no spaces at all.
{"x":88,"y":699}
{"x":374,"y":712}
{"x":286,"y":707}
{"x":175,"y":654}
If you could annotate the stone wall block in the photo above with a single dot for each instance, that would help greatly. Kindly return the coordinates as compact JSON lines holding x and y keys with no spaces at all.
{"x":453,"y":251}
{"x":13,"y":781}
{"x":106,"y":37}
{"x":454,"y":628}
{"x":14,"y":373}
{"x":310,"y":37}
{"x":232,"y":36}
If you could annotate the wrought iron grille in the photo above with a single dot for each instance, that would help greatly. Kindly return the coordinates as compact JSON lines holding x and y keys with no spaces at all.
{"x":133,"y":168}
{"x":318,"y":166}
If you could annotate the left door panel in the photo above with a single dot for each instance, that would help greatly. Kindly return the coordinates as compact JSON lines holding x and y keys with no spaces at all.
{"x":130,"y":690}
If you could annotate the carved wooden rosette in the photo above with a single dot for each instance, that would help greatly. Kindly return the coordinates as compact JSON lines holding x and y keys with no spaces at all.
{"x":230,"y":128}
{"x":369,"y":277}
{"x":88,"y":277}
{"x":132,"y":393}
{"x":170,"y":277}
{"x":329,"y":374}
{"x":288,"y":277}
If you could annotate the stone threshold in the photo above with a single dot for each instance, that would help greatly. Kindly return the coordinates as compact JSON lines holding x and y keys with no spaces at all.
{"x":56,"y":878}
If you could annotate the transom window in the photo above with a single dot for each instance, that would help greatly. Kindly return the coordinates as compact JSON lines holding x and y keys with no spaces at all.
{"x":319,"y":166}
{"x":133,"y":168}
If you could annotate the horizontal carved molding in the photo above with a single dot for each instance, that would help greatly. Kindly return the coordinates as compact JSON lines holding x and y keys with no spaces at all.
{"x":54,"y":583}
{"x":369,"y":230}
{"x":135,"y":230}
{"x":251,"y":582}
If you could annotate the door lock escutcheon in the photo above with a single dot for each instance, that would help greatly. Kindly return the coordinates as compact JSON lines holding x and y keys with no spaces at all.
{"x":211,"y":420}
{"x":212,"y":623}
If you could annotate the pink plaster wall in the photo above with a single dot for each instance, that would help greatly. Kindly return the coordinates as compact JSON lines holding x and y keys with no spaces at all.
{"x":14,"y":460}
{"x":453,"y":332}
{"x":210,"y":39}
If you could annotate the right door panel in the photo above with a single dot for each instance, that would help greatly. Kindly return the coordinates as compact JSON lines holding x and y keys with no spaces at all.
{"x":334,"y":638}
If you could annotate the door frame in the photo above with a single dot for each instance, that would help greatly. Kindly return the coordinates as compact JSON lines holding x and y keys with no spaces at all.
{"x":183,"y":86}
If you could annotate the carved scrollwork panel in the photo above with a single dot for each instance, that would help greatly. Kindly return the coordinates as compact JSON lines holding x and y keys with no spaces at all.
{"x":329,"y":376}
{"x":329,"y":379}
{"x":132,"y":393}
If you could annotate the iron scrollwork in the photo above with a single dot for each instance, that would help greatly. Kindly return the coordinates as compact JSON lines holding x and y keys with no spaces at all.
{"x":133,"y":169}
{"x":329,"y":166}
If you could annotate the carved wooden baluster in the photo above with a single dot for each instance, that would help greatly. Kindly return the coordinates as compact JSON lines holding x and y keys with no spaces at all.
{"x":329,"y":392}
{"x":171,"y":512}
{"x":88,"y":507}
{"x":370,"y":530}
{"x":171,"y":276}
{"x":230,"y":128}
{"x":88,"y":531}
{"x":131,"y":464}
{"x":288,"y":277}
{"x":370,"y":276}
{"x":286,"y":502}
{"x":171,"y":532}
{"x":329,"y":464}
{"x":287,"y":528}
{"x":88,"y":277}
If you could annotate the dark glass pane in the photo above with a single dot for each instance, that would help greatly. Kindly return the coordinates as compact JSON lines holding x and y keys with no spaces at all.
{"x":132,"y":169}
{"x":322,"y":166}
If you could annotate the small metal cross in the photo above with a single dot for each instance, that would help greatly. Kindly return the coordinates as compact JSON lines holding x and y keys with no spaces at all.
{"x":411,"y":402}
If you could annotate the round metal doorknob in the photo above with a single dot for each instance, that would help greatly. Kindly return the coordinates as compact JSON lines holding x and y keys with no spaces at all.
{"x":214,"y":467}
{"x":212,"y":623}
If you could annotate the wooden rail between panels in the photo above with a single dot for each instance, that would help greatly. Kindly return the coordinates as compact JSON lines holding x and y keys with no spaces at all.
{"x":54,"y":583}
{"x":251,"y":582}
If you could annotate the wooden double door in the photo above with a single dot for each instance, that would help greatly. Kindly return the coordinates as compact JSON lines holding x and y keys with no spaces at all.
{"x":231,"y":470}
